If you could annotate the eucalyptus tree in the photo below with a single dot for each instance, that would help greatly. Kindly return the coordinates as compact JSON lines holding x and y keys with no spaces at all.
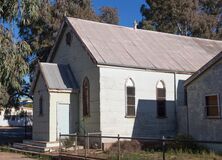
{"x":198,"y":18}
{"x":37,"y":22}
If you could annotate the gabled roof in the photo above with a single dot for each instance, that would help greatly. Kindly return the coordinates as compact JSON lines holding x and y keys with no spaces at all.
{"x":127,"y":47}
{"x":201,"y":71}
{"x":57,"y":77}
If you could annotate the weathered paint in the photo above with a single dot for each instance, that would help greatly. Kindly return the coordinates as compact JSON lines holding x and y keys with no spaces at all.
{"x":209,"y":82}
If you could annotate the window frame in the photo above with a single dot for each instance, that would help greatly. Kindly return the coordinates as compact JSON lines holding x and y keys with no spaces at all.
{"x":127,"y":115}
{"x":86,"y":109}
{"x":218,"y":106}
{"x":160,"y":100}
{"x":40,"y":105}
{"x":69,"y":38}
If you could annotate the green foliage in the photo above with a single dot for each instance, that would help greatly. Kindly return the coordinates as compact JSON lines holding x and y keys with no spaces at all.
{"x":198,"y":18}
{"x":109,"y":15}
{"x":13,"y":65}
{"x":38,"y":22}
{"x":40,"y":32}
{"x":186,"y":144}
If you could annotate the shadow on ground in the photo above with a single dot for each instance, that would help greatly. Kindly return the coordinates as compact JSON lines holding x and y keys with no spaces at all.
{"x":9,"y":135}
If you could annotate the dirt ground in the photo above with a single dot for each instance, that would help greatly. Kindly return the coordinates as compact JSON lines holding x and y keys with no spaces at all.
{"x":13,"y":156}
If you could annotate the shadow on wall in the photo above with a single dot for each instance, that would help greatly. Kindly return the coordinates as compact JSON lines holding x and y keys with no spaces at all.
{"x":180,"y":93}
{"x":182,"y":110}
{"x":148,"y":124}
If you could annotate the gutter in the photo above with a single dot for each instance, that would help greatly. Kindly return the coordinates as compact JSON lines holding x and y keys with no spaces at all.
{"x":175,"y":102}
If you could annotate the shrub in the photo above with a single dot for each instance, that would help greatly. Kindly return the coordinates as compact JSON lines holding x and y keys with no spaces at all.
{"x":68,"y":142}
{"x":186,"y":143}
{"x":125,"y":147}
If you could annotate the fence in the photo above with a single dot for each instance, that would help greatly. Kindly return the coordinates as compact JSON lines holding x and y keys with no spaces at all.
{"x":127,"y":148}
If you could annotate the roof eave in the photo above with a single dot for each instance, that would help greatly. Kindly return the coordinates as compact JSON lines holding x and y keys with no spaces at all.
{"x":144,"y":68}
{"x":58,"y":90}
{"x":203,"y":69}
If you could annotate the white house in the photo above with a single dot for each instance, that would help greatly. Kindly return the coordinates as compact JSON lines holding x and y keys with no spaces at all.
{"x":13,"y":116}
{"x":114,"y":80}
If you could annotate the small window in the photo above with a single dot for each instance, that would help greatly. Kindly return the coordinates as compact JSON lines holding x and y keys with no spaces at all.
{"x":130,"y":98}
{"x":212,"y":106}
{"x":86,"y":97}
{"x":68,"y":38}
{"x":161,"y":99}
{"x":40,"y":105}
{"x":185,"y":97}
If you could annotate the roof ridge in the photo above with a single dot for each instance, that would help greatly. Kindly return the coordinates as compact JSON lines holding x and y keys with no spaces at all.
{"x":144,"y":30}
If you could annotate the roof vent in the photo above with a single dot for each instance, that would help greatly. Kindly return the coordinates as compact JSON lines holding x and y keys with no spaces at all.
{"x":135,"y":25}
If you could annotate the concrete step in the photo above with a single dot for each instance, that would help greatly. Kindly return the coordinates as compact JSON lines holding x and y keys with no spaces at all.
{"x":33,"y":148}
{"x":41,"y":143}
{"x":40,"y":146}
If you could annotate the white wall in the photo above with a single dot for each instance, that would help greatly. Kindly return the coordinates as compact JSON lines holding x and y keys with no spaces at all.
{"x":66,"y":98}
{"x":146,"y":123}
{"x":41,"y":122}
{"x":81,"y":65}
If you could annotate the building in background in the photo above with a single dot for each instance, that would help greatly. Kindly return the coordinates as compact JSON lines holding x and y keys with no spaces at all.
{"x":21,"y":116}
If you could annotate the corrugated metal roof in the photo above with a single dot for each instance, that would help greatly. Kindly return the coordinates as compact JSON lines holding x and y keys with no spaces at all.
{"x":201,"y":71}
{"x":123,"y":46}
{"x":58,"y":76}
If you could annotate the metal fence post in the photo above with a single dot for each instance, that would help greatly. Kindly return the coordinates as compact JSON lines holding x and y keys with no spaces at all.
{"x":85,"y":136}
{"x":87,"y":142}
{"x":25,"y":125}
{"x":76,"y":143}
{"x":118,"y":147}
{"x":163,"y":147}
{"x":60,"y":148}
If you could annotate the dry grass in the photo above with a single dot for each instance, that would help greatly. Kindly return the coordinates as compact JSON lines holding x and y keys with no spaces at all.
{"x":169,"y":156}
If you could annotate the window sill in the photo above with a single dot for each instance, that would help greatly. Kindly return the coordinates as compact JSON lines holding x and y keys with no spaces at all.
{"x":213,"y":117}
{"x":130,"y":116}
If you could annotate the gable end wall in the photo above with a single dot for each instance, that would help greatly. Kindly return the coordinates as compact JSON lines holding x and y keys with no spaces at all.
{"x":81,"y":66}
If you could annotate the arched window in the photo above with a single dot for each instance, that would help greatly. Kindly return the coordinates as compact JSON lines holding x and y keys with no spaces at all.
{"x":40,"y":105}
{"x":161,"y":99}
{"x":86,"y":97}
{"x":130,"y":98}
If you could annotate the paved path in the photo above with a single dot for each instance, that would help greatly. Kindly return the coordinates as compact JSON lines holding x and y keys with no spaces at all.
{"x":13,"y":156}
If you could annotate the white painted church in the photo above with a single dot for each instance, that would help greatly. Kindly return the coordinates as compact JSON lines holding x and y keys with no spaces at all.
{"x":115,"y":80}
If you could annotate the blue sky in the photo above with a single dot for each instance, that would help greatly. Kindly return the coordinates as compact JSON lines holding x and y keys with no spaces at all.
{"x":129,"y":10}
